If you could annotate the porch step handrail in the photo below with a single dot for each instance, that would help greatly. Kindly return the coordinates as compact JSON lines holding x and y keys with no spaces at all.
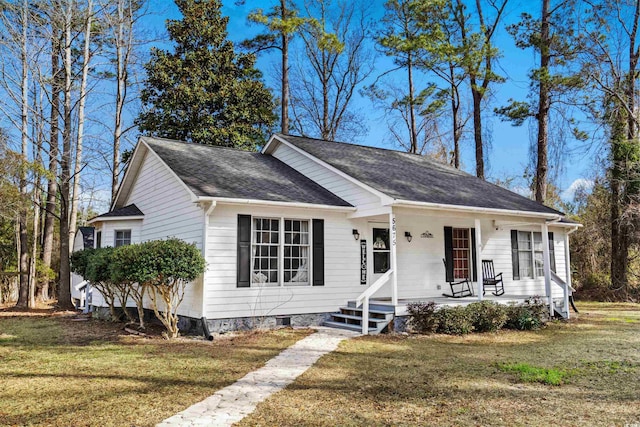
{"x":368,"y":293}
{"x":558,"y":280}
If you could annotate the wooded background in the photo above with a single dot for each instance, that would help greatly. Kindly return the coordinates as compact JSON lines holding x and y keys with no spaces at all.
{"x":82,"y":79}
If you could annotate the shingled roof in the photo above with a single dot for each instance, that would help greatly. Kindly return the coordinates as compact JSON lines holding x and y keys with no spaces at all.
{"x":412,"y":177}
{"x":129,"y":210}
{"x":230,"y":173}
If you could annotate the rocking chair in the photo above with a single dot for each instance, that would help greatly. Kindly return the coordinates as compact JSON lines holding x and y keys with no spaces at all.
{"x":490,"y":279}
{"x":460,"y":288}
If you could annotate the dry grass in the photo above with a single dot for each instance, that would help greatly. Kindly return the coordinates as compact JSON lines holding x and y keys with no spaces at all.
{"x":54,"y":371}
{"x":450,"y":381}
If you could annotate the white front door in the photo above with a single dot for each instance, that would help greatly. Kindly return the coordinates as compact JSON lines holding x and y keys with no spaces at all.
{"x":380,"y":250}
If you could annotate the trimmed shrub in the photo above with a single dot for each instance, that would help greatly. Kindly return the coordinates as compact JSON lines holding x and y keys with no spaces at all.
{"x":80,"y":260}
{"x":94,"y":265}
{"x":487,"y":316}
{"x":163,"y":268}
{"x":423,"y":317}
{"x":454,"y":321}
{"x":530,"y":315}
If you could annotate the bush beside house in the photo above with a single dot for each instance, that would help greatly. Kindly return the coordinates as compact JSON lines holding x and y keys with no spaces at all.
{"x":485,"y":316}
{"x":160,"y":269}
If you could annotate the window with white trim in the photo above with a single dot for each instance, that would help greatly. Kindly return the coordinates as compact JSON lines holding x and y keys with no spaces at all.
{"x":123,"y":237}
{"x":281,"y":252}
{"x":531,"y":254}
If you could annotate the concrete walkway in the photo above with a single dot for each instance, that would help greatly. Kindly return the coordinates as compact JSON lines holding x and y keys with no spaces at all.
{"x":233,"y":403}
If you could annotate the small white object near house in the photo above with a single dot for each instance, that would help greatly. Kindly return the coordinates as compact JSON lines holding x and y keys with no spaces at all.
{"x":80,"y":288}
{"x":307,"y":227}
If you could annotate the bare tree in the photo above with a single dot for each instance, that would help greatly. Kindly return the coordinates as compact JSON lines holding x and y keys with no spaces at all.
{"x":282,"y":23}
{"x":86,"y":59}
{"x":121,"y":18}
{"x":611,"y":64}
{"x":479,"y":55}
{"x":334,"y":63}
{"x":54,"y":135}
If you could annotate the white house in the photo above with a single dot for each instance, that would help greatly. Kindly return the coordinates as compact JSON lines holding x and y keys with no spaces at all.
{"x":308,"y":226}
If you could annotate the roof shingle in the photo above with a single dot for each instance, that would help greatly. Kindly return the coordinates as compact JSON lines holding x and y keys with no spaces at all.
{"x":405,"y":176}
{"x":229,"y":173}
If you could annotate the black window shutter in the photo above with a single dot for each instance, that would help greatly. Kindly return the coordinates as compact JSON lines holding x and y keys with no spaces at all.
{"x":515,"y":261}
{"x":244,"y":251}
{"x":448,"y":253}
{"x":473,"y":255}
{"x":552,"y":252}
{"x":318,"y":252}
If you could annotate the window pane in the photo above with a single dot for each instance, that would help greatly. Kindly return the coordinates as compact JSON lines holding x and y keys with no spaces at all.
{"x":525,"y":259}
{"x":381,"y":261}
{"x":524,"y":240}
{"x":381,"y":239}
{"x":537,"y":241}
{"x":539,"y":260}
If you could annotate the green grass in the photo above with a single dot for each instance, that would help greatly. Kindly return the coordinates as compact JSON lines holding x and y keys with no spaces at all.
{"x":56,"y":372}
{"x":531,"y":374}
{"x":454,"y":381}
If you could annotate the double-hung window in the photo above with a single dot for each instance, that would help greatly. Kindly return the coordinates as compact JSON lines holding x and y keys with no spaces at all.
{"x":528,"y":255}
{"x":280,"y":251}
{"x":123,"y":237}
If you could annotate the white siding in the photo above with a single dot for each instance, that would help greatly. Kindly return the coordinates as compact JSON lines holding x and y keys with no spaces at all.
{"x":330,"y":180}
{"x":109,"y":229}
{"x":168,"y":212}
{"x":420,"y":266}
{"x":342,"y":260}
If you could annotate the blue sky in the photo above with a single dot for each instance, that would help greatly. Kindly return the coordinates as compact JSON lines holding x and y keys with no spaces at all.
{"x":509,"y":150}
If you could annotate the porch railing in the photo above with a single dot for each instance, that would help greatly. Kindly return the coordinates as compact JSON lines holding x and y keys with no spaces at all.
{"x":364,"y":299}
{"x":566,"y":289}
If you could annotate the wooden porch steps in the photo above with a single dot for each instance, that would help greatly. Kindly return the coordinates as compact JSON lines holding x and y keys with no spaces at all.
{"x":350,"y":317}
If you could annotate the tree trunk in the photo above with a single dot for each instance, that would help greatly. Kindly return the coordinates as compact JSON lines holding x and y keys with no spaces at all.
{"x":543,"y":107}
{"x":325,"y":97}
{"x":121,"y":94}
{"x":23,"y":263}
{"x":284,"y":115}
{"x":52,"y":185}
{"x":412,"y":115}
{"x":455,"y":108}
{"x":64,"y":290}
{"x":477,"y":129}
{"x":86,"y":57}
{"x":619,"y":242}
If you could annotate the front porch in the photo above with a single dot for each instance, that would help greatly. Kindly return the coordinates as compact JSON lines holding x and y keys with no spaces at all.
{"x":402,"y":254}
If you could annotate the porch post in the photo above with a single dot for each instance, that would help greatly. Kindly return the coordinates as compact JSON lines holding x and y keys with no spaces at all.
{"x":479,"y":282}
{"x":547,"y":266}
{"x":567,"y":263}
{"x":394,"y":262}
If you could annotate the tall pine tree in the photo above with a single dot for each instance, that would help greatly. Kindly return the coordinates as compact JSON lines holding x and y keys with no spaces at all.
{"x":203,"y":91}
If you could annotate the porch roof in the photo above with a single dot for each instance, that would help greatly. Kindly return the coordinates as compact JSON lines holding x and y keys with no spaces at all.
{"x":412,"y":177}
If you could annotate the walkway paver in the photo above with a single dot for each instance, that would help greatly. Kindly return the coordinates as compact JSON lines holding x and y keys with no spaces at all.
{"x":233,"y":403}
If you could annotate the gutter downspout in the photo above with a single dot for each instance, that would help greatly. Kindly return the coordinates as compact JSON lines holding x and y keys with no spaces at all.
{"x":207,"y":214}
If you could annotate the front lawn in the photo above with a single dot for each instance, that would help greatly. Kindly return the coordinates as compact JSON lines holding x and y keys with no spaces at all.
{"x":54,"y":371}
{"x":585,"y":372}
